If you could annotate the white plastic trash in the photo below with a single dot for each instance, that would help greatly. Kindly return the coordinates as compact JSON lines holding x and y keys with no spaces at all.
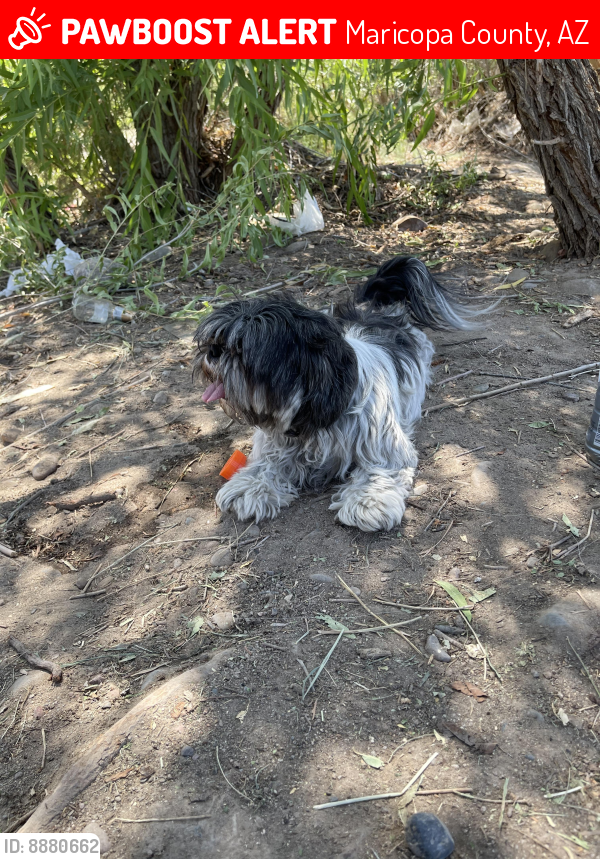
{"x":307,"y":217}
{"x":18,"y":278}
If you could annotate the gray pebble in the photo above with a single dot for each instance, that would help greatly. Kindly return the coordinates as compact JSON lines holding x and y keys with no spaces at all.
{"x":161,"y":398}
{"x":535,"y":714}
{"x":374,"y":653}
{"x":481,"y":389}
{"x":529,"y":757}
{"x":44,"y":468}
{"x":93,"y":829}
{"x":535,"y":674}
{"x":321,"y":578}
{"x":187,"y":752}
{"x":480,"y":475}
{"x":571,"y":396}
{"x":252,"y":532}
{"x":427,"y":837}
{"x":433,"y":646}
{"x":10,"y":434}
{"x":221,"y":559}
{"x":531,"y":562}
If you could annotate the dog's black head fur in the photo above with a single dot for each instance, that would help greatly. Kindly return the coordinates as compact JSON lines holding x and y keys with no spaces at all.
{"x":282,"y":366}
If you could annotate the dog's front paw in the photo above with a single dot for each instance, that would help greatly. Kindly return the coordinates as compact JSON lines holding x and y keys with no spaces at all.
{"x":253,"y":497}
{"x":373,"y":502}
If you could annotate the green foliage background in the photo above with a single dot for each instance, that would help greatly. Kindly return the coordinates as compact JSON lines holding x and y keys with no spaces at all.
{"x":169,"y":149}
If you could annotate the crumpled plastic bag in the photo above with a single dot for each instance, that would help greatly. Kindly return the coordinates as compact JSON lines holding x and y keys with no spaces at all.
{"x":304,"y":220}
{"x":18,"y":277}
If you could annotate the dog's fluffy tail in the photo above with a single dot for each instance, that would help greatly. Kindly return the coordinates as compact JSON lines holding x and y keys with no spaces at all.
{"x":407,"y":280}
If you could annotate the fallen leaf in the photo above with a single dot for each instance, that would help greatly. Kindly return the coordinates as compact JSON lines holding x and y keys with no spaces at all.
{"x":463,"y":537}
{"x":178,"y":709}
{"x":469,"y":689}
{"x":195,"y":625}
{"x":371,"y":760}
{"x":122,"y":774}
{"x":539,"y":424}
{"x":439,"y":737}
{"x":242,"y":714}
{"x":474,"y":651}
{"x":476,"y":743}
{"x":478,"y":596}
{"x":563,"y":716}
{"x":454,"y":593}
{"x":333,"y":624}
{"x":406,"y":800}
{"x":574,"y":531}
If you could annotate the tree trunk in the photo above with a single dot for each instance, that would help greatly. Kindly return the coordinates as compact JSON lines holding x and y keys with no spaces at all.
{"x":558,"y":104}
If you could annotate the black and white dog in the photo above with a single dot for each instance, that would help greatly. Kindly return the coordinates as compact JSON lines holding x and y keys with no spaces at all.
{"x":333,"y":397}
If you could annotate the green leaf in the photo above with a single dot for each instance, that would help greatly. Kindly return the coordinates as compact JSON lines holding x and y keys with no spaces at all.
{"x":574,"y":531}
{"x":454,"y":594}
{"x":478,"y":596}
{"x":195,"y":625}
{"x":372,"y":761}
{"x":539,"y":424}
{"x":333,"y":624}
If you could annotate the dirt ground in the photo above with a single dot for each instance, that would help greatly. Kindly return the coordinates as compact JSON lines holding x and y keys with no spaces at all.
{"x":242,"y":758}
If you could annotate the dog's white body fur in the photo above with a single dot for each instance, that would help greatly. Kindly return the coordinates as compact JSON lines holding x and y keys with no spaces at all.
{"x":369,"y":447}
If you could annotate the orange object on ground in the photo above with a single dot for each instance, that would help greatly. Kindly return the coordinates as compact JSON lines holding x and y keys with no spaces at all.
{"x":236,"y":461}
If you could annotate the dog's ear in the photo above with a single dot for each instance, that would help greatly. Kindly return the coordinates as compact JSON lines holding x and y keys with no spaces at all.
{"x":329,"y":376}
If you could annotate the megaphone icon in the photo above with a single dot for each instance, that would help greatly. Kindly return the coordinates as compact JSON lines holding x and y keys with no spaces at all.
{"x":26,"y":32}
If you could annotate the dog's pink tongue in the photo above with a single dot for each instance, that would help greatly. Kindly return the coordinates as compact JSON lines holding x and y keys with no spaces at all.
{"x":215,"y":391}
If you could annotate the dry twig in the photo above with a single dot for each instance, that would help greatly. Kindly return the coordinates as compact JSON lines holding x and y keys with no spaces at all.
{"x":526,"y":383}
{"x":35,"y":661}
{"x":377,"y":617}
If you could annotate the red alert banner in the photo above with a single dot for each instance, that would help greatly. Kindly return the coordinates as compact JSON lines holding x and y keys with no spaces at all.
{"x":327,"y":29}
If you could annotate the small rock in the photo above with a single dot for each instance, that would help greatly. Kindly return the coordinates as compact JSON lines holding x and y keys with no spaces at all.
{"x":419,"y":489}
{"x":427,"y":837}
{"x":374,"y":653}
{"x":38,"y":712}
{"x":531,"y":562}
{"x":535,"y":714}
{"x":252,"y":532}
{"x":221,"y":559}
{"x":497,"y":173}
{"x":44,"y":468}
{"x":96,"y":680}
{"x":566,"y":619}
{"x":480,"y":476}
{"x":161,"y":398}
{"x":321,"y":578}
{"x":178,"y":562}
{"x":113,"y":693}
{"x":224,"y":620}
{"x":529,"y":756}
{"x":433,"y":646}
{"x":355,"y":590}
{"x":154,"y":677}
{"x":516,"y":275}
{"x":410,"y":223}
{"x":549,"y":251}
{"x":448,"y":630}
{"x":454,"y":574}
{"x":481,"y":389}
{"x":571,"y":396}
{"x":535,"y":674}
{"x":26,"y":681}
{"x":10,"y":434}
{"x":295,"y":247}
{"x":93,"y":829}
{"x":187,"y":752}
